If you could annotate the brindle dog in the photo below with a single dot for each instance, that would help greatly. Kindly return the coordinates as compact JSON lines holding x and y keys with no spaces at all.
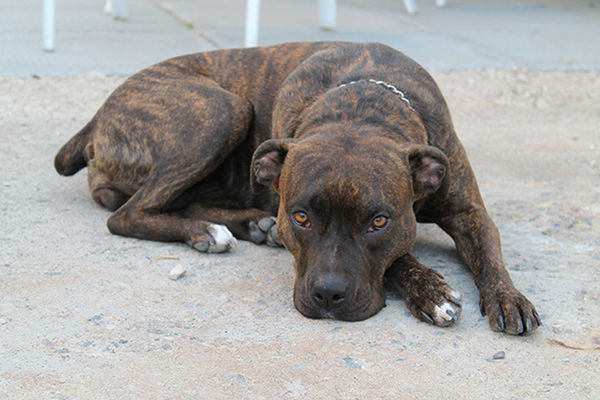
{"x":348,"y":144}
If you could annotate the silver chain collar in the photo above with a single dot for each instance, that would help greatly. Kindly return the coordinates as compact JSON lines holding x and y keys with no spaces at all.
{"x":386,"y":85}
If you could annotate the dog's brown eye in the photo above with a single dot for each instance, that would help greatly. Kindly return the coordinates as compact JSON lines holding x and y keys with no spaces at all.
{"x":379,"y":222}
{"x":301,"y":218}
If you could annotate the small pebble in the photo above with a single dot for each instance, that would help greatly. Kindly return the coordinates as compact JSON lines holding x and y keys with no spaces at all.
{"x":177,"y":272}
{"x":499,"y":355}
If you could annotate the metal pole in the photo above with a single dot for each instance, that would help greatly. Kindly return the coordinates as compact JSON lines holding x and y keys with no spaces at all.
{"x":252,"y":22}
{"x":411,"y":6}
{"x":327,"y":14}
{"x":119,"y":9}
{"x":48,"y":25}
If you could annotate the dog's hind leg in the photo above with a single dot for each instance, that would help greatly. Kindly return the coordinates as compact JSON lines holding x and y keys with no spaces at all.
{"x":194,"y":144}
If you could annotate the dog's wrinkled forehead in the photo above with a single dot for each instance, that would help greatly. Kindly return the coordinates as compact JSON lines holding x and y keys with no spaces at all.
{"x":358,"y":170}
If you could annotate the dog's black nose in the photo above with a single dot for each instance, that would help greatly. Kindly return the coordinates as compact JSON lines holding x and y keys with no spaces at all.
{"x":330,"y":292}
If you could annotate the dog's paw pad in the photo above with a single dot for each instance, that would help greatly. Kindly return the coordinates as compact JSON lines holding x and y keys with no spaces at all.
{"x":265,"y":224}
{"x":272,"y":236}
{"x":256,"y":234}
{"x":265,"y":231}
{"x":219,"y":240}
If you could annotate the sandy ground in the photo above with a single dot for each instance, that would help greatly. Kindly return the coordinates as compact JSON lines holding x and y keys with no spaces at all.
{"x":84,"y":314}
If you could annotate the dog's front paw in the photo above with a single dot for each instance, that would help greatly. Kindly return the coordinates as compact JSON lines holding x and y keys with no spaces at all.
{"x":218,"y":239}
{"x":265,"y":231}
{"x":433,"y":300}
{"x":509,"y":311}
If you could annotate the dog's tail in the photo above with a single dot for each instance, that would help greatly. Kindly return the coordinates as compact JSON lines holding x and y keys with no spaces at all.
{"x":70,"y":158}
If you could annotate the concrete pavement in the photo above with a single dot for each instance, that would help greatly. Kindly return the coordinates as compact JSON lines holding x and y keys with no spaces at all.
{"x":89,"y":315}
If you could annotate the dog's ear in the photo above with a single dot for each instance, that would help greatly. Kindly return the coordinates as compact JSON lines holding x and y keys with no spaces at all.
{"x":428,"y":166}
{"x":267,"y":162}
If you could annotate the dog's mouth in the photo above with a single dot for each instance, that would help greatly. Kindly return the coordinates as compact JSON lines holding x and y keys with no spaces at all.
{"x":364,"y":303}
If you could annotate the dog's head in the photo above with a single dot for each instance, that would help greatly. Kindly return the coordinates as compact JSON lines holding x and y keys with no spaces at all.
{"x":346,"y":213}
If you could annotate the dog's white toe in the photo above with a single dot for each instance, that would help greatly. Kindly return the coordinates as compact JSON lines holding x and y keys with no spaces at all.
{"x":223,"y":239}
{"x":446,"y":314}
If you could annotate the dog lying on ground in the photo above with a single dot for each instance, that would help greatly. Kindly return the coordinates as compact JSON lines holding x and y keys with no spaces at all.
{"x":334,"y":150}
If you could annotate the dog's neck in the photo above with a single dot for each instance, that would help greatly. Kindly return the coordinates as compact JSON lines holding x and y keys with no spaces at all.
{"x":386,"y":85}
{"x":359,"y":104}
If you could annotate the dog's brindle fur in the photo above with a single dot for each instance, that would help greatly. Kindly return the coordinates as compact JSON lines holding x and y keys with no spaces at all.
{"x":180,"y":149}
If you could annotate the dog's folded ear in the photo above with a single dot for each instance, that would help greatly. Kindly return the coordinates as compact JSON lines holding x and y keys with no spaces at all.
{"x":428,"y":167}
{"x":267,"y":162}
